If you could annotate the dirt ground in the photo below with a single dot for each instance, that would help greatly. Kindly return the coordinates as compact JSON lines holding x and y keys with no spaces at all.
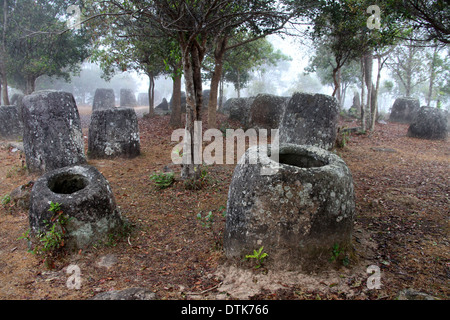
{"x":402,"y":226}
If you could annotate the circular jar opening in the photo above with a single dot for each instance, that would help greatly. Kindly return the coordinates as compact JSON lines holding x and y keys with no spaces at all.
{"x":301,"y":160}
{"x":67,"y":183}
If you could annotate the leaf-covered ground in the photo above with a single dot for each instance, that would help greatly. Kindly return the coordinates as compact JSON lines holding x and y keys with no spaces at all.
{"x":402,"y":225}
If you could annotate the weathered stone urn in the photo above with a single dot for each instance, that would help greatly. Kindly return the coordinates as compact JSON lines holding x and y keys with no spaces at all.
{"x":298,"y":213}
{"x":85,"y":197}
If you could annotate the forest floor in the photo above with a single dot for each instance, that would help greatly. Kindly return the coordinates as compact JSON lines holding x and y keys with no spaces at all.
{"x":402,"y":226}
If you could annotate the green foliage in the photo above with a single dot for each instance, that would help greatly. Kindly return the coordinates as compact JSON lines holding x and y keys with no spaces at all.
{"x":207,"y":220}
{"x":197,"y":183}
{"x":259,"y":257}
{"x":163,"y":180}
{"x":6,"y":199}
{"x":338,"y":254}
{"x":53,"y":239}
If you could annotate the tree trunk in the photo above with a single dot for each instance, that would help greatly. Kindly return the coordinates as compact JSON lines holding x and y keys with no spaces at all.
{"x":432,"y":76}
{"x":3,"y":62}
{"x":221,"y":93}
{"x":175,"y":117}
{"x":151,"y":95}
{"x":377,"y":89}
{"x":219,"y":52}
{"x":192,"y":59}
{"x":31,"y":85}
{"x":368,"y":65}
{"x":363,"y":111}
{"x":238,"y":89}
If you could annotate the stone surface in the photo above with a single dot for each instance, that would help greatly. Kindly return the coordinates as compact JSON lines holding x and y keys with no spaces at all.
{"x":310,"y":120}
{"x":104,"y":99}
{"x":85,"y":196}
{"x":430,"y":123}
{"x":404,"y":110}
{"x":266,"y":111}
{"x":127,"y":98}
{"x":298,"y":214}
{"x":11,"y":126}
{"x":240,"y":110}
{"x":52,"y":131}
{"x":163,"y":106}
{"x":114,"y":133}
{"x":127,"y":294}
{"x":20,"y":196}
{"x":410,"y":294}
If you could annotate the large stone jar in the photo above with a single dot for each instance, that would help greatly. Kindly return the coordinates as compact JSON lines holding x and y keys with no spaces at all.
{"x":298,"y":213}
{"x":85,"y":197}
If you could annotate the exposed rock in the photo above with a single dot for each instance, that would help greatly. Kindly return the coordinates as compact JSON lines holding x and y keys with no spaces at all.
{"x":430,"y":123}
{"x":240,"y":110}
{"x":404,"y":110}
{"x":310,"y":120}
{"x":52,"y":131}
{"x":20,"y":196}
{"x":163,"y":106}
{"x":298,"y":213}
{"x":127,"y":294}
{"x":85,"y":196}
{"x":114,"y":133}
{"x":16,"y":100}
{"x":127,"y":98}
{"x":104,"y":99}
{"x":410,"y":294}
{"x":266,"y":111}
{"x":11,"y":127}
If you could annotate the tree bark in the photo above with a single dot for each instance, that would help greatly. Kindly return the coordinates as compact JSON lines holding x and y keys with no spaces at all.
{"x":219,"y":52}
{"x":432,"y":76}
{"x":363,"y":111}
{"x":4,"y":79}
{"x":151,"y":95}
{"x":175,"y":117}
{"x":192,"y":57}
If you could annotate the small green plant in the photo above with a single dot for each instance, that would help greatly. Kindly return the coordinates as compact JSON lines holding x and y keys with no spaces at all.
{"x":343,"y":138}
{"x":55,"y":236}
{"x":207,"y":220}
{"x":198,"y":183}
{"x":337,"y":253}
{"x":163,"y":180}
{"x":6,"y":199}
{"x":259,"y":257}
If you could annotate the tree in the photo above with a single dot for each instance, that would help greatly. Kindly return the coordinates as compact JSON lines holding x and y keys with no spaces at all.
{"x":38,"y":42}
{"x":431,"y":16}
{"x":193,"y":23}
{"x":407,"y":67}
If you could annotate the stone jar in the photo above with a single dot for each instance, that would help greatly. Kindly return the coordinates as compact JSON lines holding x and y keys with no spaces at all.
{"x":298,"y":213}
{"x":85,"y":196}
{"x":114,"y":133}
{"x":52,"y":135}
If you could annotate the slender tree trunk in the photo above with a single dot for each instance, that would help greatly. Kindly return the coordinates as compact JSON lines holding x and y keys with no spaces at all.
{"x":31,"y":85}
{"x":377,"y":88}
{"x":238,"y":89}
{"x":175,"y":117}
{"x":221,"y":93}
{"x":151,"y":95}
{"x":368,"y":64}
{"x":432,"y":76}
{"x":363,"y":111}
{"x":215,"y":80}
{"x":3,"y":62}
